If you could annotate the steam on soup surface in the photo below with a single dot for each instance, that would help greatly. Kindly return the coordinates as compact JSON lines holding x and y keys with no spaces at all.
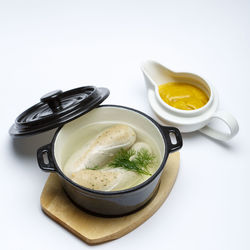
{"x":116,"y":157}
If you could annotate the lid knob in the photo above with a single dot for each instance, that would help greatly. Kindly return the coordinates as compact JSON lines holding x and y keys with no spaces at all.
{"x":52,"y":99}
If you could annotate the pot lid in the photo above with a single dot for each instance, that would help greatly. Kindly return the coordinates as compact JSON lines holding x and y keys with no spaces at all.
{"x":57,"y":108}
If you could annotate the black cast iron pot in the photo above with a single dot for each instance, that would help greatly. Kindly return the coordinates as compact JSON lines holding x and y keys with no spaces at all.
{"x":107,"y":203}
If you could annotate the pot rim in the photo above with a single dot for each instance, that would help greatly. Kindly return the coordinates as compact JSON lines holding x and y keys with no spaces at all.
{"x":118,"y":192}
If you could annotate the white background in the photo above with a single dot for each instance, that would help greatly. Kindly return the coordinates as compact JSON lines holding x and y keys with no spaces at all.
{"x":47,"y":45}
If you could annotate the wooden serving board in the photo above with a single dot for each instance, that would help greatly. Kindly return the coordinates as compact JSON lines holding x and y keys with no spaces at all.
{"x":93,"y":229}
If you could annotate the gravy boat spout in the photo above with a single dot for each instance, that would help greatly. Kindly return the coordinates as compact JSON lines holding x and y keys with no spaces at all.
{"x":156,"y":74}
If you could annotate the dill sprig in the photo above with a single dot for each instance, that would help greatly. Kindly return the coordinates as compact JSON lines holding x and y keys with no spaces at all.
{"x":97,"y":167}
{"x":131,"y":160}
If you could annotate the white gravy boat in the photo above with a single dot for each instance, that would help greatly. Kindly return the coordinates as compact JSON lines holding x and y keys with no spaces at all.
{"x":186,"y":120}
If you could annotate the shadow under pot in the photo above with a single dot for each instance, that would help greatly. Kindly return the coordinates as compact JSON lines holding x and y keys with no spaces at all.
{"x":71,"y":136}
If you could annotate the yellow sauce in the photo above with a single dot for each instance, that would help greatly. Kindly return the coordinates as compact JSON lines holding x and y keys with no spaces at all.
{"x":182,"y":95}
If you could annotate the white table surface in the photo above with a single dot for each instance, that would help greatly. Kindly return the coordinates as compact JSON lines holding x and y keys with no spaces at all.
{"x":47,"y":45}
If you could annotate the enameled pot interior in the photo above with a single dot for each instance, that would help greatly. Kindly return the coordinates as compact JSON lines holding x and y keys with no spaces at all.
{"x":72,"y":135}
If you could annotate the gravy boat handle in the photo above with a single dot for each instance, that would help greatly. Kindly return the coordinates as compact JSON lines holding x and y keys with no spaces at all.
{"x":229,"y":120}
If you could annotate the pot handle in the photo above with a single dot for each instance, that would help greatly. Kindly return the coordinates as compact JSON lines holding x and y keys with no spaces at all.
{"x":42,"y":152}
{"x":172,"y":130}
